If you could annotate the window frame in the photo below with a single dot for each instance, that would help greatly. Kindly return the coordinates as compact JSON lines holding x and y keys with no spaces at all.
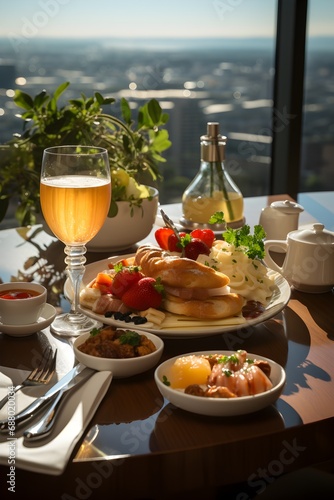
{"x":288,"y":97}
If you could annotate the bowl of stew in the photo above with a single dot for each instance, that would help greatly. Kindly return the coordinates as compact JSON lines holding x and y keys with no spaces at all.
{"x":124,"y":352}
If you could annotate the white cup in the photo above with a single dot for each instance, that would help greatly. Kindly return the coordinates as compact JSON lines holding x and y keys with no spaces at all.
{"x":25,"y":310}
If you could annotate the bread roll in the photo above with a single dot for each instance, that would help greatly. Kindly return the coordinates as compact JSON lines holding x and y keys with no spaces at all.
{"x":178,"y":271}
{"x":212,"y":308}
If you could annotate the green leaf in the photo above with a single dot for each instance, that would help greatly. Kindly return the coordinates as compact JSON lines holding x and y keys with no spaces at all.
{"x":126,"y":111}
{"x":40,"y":99}
{"x":154,"y":111}
{"x":108,"y":100}
{"x":252,"y":245}
{"x":130,"y":337}
{"x":217,"y":218}
{"x":95,"y":332}
{"x":99,"y":98}
{"x":165,"y":380}
{"x":62,"y":87}
{"x":164,"y":118}
{"x":126,"y":143}
{"x":78,"y":103}
{"x":52,"y":105}
{"x":23,"y":100}
{"x":113,"y":209}
{"x":161,"y":141}
{"x":89,"y":102}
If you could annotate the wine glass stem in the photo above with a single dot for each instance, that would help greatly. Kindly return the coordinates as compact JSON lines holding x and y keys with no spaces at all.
{"x":75,"y":261}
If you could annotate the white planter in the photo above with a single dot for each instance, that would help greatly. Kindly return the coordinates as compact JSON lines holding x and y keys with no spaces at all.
{"x":123,"y":231}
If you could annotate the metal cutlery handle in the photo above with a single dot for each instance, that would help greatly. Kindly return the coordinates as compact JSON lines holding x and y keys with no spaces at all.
{"x":5,"y":399}
{"x":25,"y":414}
{"x":44,"y":426}
{"x":169,"y":223}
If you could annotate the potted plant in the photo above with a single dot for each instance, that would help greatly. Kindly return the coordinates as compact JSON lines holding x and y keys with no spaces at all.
{"x":134,"y":146}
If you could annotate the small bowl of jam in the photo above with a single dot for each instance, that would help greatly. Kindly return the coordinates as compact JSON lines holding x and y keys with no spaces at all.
{"x":21,"y":303}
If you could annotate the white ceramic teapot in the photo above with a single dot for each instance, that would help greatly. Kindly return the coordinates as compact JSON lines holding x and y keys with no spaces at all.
{"x":309,"y":261}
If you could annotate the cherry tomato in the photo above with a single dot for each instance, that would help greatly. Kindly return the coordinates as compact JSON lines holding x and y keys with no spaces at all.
{"x":206,"y":235}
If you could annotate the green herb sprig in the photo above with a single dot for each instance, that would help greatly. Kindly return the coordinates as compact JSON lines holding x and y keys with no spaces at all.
{"x":251,"y":244}
{"x":130,"y":337}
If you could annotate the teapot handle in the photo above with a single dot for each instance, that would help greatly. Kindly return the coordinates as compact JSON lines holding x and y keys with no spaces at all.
{"x":269,"y":262}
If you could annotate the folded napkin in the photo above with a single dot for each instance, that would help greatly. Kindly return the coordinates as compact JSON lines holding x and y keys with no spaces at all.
{"x":50,"y":455}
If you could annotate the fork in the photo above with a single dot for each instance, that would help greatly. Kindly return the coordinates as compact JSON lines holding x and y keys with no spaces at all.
{"x":42,"y":374}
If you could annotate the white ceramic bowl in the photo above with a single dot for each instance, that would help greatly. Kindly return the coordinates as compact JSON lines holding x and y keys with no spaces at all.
{"x":131,"y":225}
{"x":221,"y":407}
{"x":121,"y":367}
{"x":22,"y":311}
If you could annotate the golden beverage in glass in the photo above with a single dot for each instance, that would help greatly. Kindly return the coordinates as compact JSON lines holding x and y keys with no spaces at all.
{"x":75,"y":193}
{"x":75,"y":207}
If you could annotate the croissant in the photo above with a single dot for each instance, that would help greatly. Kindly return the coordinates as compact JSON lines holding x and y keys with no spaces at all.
{"x":178,"y":271}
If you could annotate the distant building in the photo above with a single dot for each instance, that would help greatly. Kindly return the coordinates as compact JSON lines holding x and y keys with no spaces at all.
{"x":7,"y":74}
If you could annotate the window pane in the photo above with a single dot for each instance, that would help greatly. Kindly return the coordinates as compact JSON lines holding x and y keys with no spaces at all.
{"x":208,"y":60}
{"x":317,"y":173}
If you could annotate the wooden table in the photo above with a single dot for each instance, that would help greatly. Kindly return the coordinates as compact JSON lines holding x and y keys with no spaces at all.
{"x":140,"y":446}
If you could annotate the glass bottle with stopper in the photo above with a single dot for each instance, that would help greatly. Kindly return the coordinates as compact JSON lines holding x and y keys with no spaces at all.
{"x":212,"y":190}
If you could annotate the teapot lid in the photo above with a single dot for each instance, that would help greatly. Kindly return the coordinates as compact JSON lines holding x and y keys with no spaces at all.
{"x":318,"y":235}
{"x":287,"y":207}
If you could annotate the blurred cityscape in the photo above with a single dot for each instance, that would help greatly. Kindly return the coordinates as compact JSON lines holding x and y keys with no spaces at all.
{"x":197,"y":81}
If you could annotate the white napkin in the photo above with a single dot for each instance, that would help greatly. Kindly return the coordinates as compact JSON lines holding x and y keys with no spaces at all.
{"x":51,"y":455}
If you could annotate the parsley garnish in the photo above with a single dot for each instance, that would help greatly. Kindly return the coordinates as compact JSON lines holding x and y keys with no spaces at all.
{"x":252,"y":245}
{"x":225,"y":359}
{"x":95,"y":331}
{"x":217,"y":218}
{"x":165,"y":380}
{"x":132,"y":269}
{"x":130,"y":337}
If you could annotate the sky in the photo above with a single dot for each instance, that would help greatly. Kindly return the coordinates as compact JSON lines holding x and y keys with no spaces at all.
{"x":152,"y":18}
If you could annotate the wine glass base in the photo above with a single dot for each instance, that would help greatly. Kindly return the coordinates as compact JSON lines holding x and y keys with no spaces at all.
{"x":73,"y":325}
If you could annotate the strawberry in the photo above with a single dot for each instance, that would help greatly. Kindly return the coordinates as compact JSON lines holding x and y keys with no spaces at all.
{"x":161,"y":236}
{"x":173,"y":242}
{"x":147,"y":292}
{"x":206,"y":235}
{"x":124,"y":279}
{"x":196,"y":247}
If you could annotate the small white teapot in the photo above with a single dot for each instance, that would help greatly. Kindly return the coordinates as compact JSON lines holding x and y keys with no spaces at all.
{"x":309,"y":261}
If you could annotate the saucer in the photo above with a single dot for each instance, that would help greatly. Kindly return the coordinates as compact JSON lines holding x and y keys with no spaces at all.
{"x":47,"y":316}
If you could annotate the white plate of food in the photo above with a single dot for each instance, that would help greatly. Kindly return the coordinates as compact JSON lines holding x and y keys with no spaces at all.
{"x":177,"y":326}
{"x":191,"y":371}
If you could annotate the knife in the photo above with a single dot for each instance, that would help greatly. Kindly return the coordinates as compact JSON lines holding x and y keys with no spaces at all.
{"x":70,"y":378}
{"x":45,"y":425}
